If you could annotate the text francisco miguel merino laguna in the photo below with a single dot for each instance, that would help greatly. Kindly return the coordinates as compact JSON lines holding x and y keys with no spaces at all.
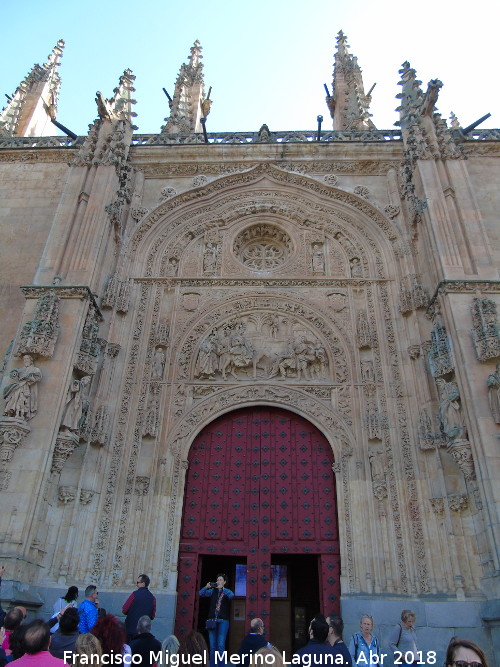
{"x":199,"y":659}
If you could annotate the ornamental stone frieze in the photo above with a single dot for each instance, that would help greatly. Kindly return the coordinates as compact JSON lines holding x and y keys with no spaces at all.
{"x":485,"y":333}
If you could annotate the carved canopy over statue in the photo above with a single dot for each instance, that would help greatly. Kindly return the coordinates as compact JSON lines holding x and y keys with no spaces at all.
{"x":261,"y":345}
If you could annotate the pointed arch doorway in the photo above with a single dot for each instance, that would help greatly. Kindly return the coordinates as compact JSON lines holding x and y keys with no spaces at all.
{"x":260,"y":505}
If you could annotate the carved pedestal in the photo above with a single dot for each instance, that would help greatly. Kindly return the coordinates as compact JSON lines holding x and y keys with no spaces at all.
{"x":66,"y":443}
{"x":12,"y":433}
{"x":461,"y":452}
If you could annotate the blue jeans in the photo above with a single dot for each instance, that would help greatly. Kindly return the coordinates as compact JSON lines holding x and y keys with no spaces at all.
{"x":217,"y":640}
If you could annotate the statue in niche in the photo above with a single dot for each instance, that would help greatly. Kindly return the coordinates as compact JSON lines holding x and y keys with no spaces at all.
{"x":450,"y":410}
{"x":318,"y":258}
{"x":493,"y":383}
{"x":367,"y":371}
{"x":172,"y":266}
{"x":356,"y":268}
{"x":376,"y":458}
{"x":210,"y":258}
{"x":77,"y":406}
{"x":158,"y":364}
{"x":21,"y":397}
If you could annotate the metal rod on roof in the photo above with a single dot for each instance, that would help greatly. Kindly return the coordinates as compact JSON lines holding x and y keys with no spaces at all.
{"x":64,"y":129}
{"x":320,"y":120}
{"x":203,"y":121}
{"x":169,"y":98}
{"x":471,"y":127}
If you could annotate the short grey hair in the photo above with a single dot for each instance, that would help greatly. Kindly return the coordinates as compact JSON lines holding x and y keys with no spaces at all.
{"x":143,"y":625}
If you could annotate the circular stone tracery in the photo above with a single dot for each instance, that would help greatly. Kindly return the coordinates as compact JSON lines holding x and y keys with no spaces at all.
{"x":262,"y":247}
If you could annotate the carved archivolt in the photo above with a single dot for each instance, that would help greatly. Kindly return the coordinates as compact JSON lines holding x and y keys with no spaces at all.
{"x":333,"y":211}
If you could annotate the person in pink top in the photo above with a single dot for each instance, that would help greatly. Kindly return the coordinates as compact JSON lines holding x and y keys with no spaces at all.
{"x":36,"y":645}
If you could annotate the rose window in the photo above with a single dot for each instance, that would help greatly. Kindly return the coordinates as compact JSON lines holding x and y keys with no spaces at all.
{"x":262,"y":247}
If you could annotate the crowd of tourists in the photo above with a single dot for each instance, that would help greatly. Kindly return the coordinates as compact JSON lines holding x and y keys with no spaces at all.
{"x":87,"y":635}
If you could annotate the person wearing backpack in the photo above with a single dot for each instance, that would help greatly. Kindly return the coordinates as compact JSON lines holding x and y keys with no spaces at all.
{"x":403,"y":640}
{"x":364,"y":646}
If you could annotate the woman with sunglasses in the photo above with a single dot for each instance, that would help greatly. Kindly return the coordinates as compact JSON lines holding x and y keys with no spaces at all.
{"x":218,"y":617}
{"x":463,"y":653}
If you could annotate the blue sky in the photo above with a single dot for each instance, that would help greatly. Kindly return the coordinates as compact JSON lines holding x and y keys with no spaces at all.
{"x":266,"y":61}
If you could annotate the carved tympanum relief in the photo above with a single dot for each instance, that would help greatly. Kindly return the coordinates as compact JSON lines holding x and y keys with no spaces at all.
{"x":262,"y":345}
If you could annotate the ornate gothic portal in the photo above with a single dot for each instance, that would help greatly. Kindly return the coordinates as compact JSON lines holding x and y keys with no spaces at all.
{"x":259,"y":490}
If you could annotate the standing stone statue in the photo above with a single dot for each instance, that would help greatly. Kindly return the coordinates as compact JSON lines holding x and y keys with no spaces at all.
{"x":77,"y":406}
{"x":318,"y":258}
{"x":21,"y":397}
{"x":450,"y":410}
{"x":158,"y":364}
{"x":493,"y":383}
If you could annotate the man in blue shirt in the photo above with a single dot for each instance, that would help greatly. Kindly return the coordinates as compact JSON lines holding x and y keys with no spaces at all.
{"x":317,"y":651}
{"x":88,"y":610}
{"x":336,"y":628}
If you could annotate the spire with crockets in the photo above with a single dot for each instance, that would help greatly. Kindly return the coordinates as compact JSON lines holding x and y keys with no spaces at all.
{"x":189,"y":104}
{"x":348,"y":104}
{"x":33,"y":105}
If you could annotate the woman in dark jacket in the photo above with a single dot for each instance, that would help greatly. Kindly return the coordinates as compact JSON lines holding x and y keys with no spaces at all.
{"x":219,"y":614}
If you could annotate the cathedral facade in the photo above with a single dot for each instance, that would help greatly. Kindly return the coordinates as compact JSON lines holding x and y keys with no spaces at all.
{"x":271,"y":354}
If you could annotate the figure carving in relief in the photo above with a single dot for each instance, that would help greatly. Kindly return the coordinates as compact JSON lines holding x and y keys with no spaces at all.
{"x":158,"y":364}
{"x":493,"y":383}
{"x":356,"y":267}
{"x":77,"y":406}
{"x":210,"y":258}
{"x":450,"y":410}
{"x":367,"y":372}
{"x":172,"y":266}
{"x":318,"y":258}
{"x":207,"y":362}
{"x":255,"y":347}
{"x":21,"y":397}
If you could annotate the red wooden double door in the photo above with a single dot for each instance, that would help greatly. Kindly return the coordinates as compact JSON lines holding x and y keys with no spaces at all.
{"x":260,"y":493}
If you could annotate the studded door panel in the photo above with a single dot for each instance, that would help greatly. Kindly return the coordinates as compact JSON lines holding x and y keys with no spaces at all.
{"x":259,"y":483}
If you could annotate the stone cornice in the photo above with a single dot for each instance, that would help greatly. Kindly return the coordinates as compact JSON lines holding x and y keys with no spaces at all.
{"x":465,"y":287}
{"x":62,"y":291}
